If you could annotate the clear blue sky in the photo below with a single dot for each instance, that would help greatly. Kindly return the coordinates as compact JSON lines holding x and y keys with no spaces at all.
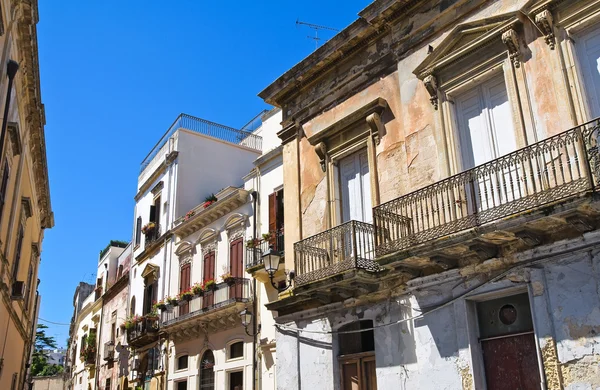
{"x":115,"y":74}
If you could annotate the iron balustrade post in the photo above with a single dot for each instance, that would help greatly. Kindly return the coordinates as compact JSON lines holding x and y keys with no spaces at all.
{"x":583,"y":151}
{"x":354,"y":246}
{"x":473,"y":195}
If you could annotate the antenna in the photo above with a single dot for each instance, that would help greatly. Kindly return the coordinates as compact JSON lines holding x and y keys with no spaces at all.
{"x":316,"y":27}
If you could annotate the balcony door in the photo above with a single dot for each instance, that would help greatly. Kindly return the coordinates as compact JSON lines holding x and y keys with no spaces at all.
{"x":236,"y":266}
{"x":588,"y":48}
{"x":486,"y":132}
{"x":208,"y":273}
{"x":184,"y":285}
{"x":355,"y":187}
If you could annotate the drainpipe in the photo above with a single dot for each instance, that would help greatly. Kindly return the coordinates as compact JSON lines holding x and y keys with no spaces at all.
{"x":254,"y":301}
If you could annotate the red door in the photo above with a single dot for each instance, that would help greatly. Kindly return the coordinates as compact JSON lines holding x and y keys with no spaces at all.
{"x":511,"y":363}
{"x":236,"y":266}
{"x":209,"y":273}
{"x":184,"y":284}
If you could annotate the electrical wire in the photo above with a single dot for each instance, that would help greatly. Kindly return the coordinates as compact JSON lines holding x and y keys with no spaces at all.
{"x":54,"y":323}
{"x":423,"y":314}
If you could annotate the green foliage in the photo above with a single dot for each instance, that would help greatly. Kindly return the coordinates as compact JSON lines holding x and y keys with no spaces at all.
{"x":40,"y":365}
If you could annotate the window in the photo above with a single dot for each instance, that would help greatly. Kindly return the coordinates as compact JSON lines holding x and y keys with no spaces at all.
{"x":276,"y":214}
{"x":157,"y":210}
{"x":182,"y":385}
{"x":207,"y":373}
{"x":357,"y":356}
{"x":182,"y":362}
{"x":28,"y":286}
{"x":150,"y":293}
{"x":107,"y":385}
{"x":208,"y":273}
{"x":236,"y":350}
{"x":153,"y":359}
{"x":132,"y":308}
{"x":138,"y":231}
{"x":113,"y":326}
{"x":4,"y":188}
{"x":18,"y":249}
{"x":236,"y":380}
{"x":355,"y":187}
{"x":236,"y":267}
{"x":588,"y":46}
{"x":184,"y":285}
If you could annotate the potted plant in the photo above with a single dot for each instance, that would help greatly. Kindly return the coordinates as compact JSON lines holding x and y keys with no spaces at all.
{"x":209,"y":200}
{"x":198,"y":289}
{"x":210,"y":285}
{"x":152,"y":316}
{"x":252,"y":243}
{"x":189,"y":215}
{"x":172,"y":301}
{"x":149,"y":227}
{"x":160,"y":305}
{"x":268,"y":236}
{"x":228,"y":278}
{"x":186,"y":295}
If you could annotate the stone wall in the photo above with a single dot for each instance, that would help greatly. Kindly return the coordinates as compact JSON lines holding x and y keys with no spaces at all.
{"x":49,"y":383}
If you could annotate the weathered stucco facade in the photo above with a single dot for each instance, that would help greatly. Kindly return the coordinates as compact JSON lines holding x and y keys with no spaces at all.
{"x":462,"y":117}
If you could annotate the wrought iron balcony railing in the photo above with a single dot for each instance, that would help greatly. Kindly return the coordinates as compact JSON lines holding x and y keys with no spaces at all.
{"x":345,"y":247}
{"x":143,"y":332}
{"x":223,"y":295}
{"x":152,"y":235}
{"x":256,"y":249}
{"x":562,"y":166}
{"x":109,"y":351}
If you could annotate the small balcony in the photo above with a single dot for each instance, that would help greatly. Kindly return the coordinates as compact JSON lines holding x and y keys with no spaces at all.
{"x":526,"y":185}
{"x":143,"y":332}
{"x":347,"y":247}
{"x":89,"y":357}
{"x":217,"y":310}
{"x":256,"y":248}
{"x":151,"y":236}
{"x":109,"y":351}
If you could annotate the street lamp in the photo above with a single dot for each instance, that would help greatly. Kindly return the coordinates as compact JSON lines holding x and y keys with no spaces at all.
{"x":271,"y":259}
{"x":246,"y":317}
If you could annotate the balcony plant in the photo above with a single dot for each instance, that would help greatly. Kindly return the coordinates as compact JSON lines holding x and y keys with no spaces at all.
{"x":160,"y":305}
{"x":148,"y":228}
{"x":210,"y":285}
{"x":152,"y":316}
{"x":209,"y":200}
{"x":268,"y":236}
{"x":228,"y":278}
{"x":253,"y":243}
{"x":173,"y":301}
{"x":186,"y":295}
{"x":198,"y":289}
{"x":189,"y":215}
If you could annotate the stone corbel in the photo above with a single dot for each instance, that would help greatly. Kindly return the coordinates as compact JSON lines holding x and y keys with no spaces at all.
{"x":321,"y":150}
{"x":432,"y":88}
{"x":511,"y":39}
{"x":545,"y":23}
{"x":377,"y":129}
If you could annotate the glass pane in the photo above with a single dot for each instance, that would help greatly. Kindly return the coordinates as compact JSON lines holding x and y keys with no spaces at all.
{"x":236,"y":350}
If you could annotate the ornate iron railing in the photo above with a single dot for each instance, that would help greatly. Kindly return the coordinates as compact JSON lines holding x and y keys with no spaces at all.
{"x":212,"y":129}
{"x":152,"y":235}
{"x":224,"y":294}
{"x":342,"y":248}
{"x":143,"y":331}
{"x":256,"y":249}
{"x":558,"y":167}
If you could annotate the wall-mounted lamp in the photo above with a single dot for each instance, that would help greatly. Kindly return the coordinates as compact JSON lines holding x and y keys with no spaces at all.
{"x":271,"y":259}
{"x":247,"y":318}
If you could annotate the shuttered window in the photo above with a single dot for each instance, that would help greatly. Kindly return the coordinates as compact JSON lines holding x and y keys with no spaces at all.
{"x":138,"y":231}
{"x":184,"y":284}
{"x":18,"y":249}
{"x":3,"y":188}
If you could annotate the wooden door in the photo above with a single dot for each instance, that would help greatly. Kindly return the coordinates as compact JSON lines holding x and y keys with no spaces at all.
{"x":208,"y":273}
{"x":351,"y":375}
{"x":511,"y":363}
{"x":359,"y":373}
{"x":184,"y":284}
{"x":236,"y":267}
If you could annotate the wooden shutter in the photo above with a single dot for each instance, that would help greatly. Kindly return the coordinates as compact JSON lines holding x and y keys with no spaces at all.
{"x":157,"y":210}
{"x":236,"y":266}
{"x":184,"y":284}
{"x":138,"y":230}
{"x":209,"y":273}
{"x":18,"y":253}
{"x":152,"y":213}
{"x":273,"y":212}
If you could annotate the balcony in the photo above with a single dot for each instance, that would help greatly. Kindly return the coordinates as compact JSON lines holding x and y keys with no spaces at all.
{"x":152,"y":236}
{"x":347,"y":247}
{"x":109,"y":351}
{"x":215,"y":310}
{"x":143,"y":332}
{"x":256,"y":249}
{"x":557,"y":170}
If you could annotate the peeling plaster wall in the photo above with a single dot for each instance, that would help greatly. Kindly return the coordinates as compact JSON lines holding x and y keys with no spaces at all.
{"x":434,"y":352}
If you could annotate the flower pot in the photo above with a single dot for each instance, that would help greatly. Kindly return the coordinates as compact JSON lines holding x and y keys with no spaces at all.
{"x":199,"y":293}
{"x":187,"y":298}
{"x":161,"y":307}
{"x":174,"y":303}
{"x":229,"y":281}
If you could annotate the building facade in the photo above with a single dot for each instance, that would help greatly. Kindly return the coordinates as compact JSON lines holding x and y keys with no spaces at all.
{"x":25,"y":209}
{"x":440,"y":166}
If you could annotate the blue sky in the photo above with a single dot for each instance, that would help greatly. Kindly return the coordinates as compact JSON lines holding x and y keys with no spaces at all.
{"x":115,"y":74}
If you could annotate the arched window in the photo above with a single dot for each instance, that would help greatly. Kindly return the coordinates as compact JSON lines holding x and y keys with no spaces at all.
{"x":132,"y":308}
{"x":235,"y":350}
{"x":207,"y":373}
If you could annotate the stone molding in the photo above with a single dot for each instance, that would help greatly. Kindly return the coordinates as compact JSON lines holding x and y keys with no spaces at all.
{"x":545,"y":23}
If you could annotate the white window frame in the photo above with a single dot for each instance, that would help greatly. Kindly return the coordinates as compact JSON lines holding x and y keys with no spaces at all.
{"x":228,"y":357}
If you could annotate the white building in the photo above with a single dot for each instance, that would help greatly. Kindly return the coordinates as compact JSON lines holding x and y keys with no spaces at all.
{"x":194,"y":160}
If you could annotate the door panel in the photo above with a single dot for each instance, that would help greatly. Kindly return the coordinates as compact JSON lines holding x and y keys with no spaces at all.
{"x":209,"y":273}
{"x":355,"y":187}
{"x":236,"y":266}
{"x":589,"y":58}
{"x":350,"y":376}
{"x":184,"y":284}
{"x":511,"y":363}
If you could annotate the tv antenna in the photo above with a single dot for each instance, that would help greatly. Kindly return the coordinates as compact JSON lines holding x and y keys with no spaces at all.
{"x":315,"y":27}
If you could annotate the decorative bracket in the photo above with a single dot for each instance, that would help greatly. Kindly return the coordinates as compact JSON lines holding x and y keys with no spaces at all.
{"x":511,"y":39}
{"x":377,"y":129}
{"x":432,"y":88}
{"x":545,"y":23}
{"x":321,"y":150}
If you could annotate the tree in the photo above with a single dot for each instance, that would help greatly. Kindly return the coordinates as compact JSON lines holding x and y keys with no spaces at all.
{"x":40,"y":365}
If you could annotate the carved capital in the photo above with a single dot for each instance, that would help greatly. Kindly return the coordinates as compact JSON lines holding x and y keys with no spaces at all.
{"x":432,"y":88}
{"x":545,"y":23}
{"x":321,"y":150}
{"x":376,"y":126}
{"x":511,"y":39}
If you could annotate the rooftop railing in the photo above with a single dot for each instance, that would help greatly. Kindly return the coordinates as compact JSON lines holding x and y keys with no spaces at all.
{"x":556,"y":168}
{"x":342,"y":248}
{"x":212,"y":129}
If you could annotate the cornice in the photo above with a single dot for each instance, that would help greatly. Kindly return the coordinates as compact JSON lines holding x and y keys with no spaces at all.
{"x":162,"y":168}
{"x":28,"y":88}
